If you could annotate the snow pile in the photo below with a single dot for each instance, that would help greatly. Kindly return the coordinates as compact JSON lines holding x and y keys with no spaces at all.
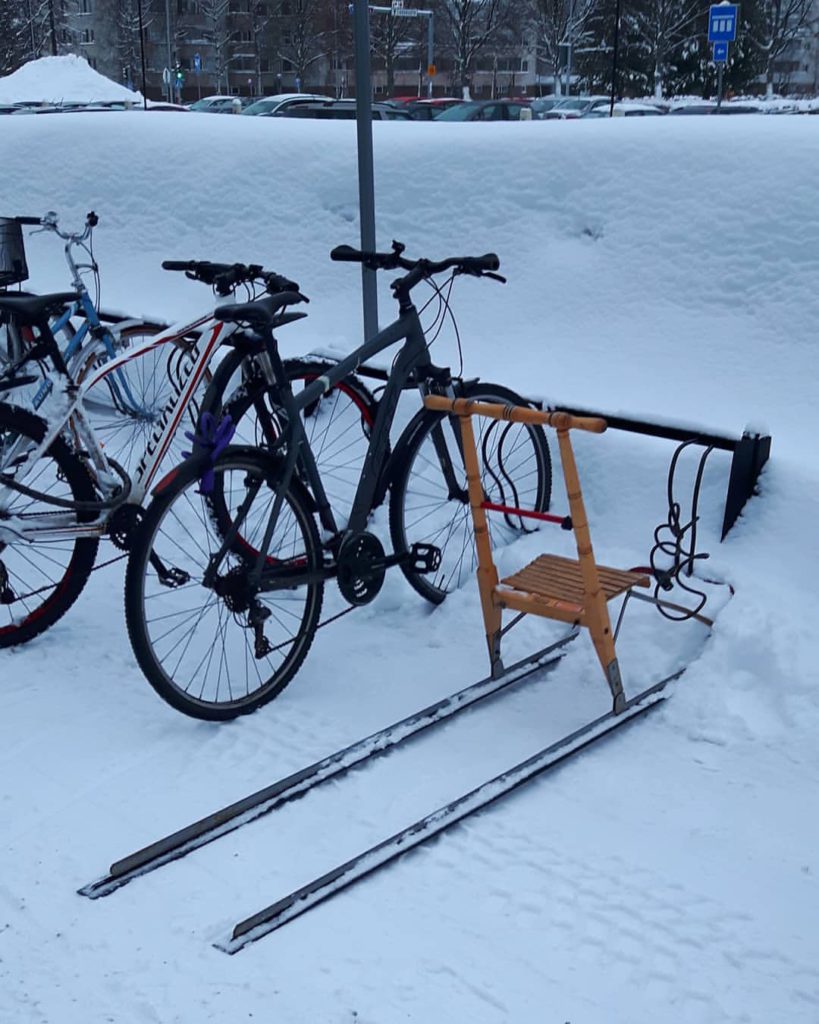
{"x":68,"y":79}
{"x":664,"y":266}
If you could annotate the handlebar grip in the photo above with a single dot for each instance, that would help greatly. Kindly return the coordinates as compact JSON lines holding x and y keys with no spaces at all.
{"x":346,"y":254}
{"x":178,"y":264}
{"x":489,"y":261}
{"x":35,"y":221}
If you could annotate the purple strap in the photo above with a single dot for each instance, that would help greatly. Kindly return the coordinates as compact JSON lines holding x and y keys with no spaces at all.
{"x":211,"y":438}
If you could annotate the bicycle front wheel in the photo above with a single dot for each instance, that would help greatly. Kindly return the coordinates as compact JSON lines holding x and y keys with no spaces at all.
{"x":222,"y":649}
{"x":39,"y":581}
{"x":429,"y":503}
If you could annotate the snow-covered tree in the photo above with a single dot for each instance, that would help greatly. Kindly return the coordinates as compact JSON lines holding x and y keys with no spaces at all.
{"x":779,"y":23}
{"x":555,"y":24}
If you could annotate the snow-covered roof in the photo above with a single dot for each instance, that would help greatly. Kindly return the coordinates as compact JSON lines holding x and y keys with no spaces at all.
{"x":68,"y":79}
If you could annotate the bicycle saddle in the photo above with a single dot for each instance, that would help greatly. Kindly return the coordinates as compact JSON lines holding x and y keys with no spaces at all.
{"x":261,"y":312}
{"x":33,"y":309}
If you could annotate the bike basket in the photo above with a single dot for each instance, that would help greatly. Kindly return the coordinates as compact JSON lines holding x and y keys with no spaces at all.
{"x":13,"y":267}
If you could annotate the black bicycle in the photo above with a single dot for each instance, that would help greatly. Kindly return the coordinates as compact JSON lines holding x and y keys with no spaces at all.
{"x":226,"y":577}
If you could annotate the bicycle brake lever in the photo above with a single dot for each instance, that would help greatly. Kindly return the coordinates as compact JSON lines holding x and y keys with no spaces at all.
{"x":495,"y":277}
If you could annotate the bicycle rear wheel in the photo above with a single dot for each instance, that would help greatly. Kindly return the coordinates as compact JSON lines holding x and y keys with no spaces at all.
{"x":125,"y":406}
{"x":39,"y":581}
{"x":430,"y":505}
{"x":337,"y":425}
{"x":222,"y":650}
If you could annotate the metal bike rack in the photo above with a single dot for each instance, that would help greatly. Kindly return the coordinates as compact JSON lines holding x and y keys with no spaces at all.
{"x":750,"y":452}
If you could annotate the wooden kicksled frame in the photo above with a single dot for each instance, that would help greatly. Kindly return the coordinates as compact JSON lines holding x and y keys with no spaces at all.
{"x":575,"y":591}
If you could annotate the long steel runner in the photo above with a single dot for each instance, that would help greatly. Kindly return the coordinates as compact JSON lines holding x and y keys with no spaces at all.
{"x":341,"y":877}
{"x":242,"y":812}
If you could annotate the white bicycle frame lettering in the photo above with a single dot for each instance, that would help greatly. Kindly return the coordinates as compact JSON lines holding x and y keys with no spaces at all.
{"x":60,"y":408}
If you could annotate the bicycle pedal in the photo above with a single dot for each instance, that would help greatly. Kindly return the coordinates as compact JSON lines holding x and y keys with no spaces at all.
{"x":425,"y":558}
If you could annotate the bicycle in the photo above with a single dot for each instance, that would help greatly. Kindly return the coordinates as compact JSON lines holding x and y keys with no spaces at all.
{"x":58,"y":499}
{"x":237,"y":532}
{"x":128,"y":401}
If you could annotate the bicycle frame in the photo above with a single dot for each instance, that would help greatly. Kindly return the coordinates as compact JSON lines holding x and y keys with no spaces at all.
{"x":414,"y":354}
{"x":65,"y":403}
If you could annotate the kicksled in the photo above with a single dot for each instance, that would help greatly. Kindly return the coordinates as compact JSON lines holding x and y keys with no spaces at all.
{"x":574,"y":591}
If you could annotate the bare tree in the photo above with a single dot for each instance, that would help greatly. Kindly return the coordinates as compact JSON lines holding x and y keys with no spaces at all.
{"x":218,"y":38}
{"x":126,"y":13}
{"x":779,"y":24}
{"x":469,"y":25}
{"x":302,"y":42}
{"x":556,"y":26}
{"x":388,"y":36}
{"x":259,"y":20}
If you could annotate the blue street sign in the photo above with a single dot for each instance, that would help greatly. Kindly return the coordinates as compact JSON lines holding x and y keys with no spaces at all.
{"x":722,"y":23}
{"x":720,"y":53}
{"x":197,"y":62}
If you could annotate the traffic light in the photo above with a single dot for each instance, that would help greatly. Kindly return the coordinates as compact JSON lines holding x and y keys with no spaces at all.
{"x":179,"y":74}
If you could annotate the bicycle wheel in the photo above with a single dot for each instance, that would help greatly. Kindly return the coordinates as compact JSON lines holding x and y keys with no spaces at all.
{"x":124,"y":407}
{"x":338,"y":425}
{"x":218,"y":651}
{"x":39,"y":582}
{"x":428,"y":508}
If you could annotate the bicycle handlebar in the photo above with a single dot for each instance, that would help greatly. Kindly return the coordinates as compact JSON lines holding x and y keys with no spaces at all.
{"x":224,"y":277}
{"x":392,"y":260}
{"x":477,"y":266}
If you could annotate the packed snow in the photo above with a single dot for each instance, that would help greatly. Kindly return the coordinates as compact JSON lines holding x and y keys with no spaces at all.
{"x":662,"y":267}
{"x":68,"y":79}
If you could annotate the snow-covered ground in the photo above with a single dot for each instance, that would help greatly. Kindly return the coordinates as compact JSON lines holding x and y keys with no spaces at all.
{"x":68,"y":79}
{"x":662,"y":267}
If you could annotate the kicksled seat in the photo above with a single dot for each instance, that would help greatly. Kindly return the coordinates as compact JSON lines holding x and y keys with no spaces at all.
{"x":575,"y":591}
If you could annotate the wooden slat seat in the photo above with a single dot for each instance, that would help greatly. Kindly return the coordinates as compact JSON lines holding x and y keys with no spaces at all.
{"x":560,"y":579}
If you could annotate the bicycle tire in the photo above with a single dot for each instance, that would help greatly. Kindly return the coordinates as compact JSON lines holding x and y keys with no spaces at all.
{"x":338,"y":425}
{"x":35,"y":569}
{"x":422,"y":509}
{"x":190,"y":537}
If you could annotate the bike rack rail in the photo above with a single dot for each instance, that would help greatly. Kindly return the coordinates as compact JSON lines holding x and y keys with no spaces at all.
{"x":750,"y":452}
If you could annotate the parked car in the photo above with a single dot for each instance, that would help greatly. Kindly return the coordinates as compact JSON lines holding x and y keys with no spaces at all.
{"x":626,"y":109}
{"x":428,"y":110}
{"x":268,"y":105}
{"x":712,"y":108}
{"x":567,"y":107}
{"x":484,"y":110}
{"x":343,"y":110}
{"x":218,"y":104}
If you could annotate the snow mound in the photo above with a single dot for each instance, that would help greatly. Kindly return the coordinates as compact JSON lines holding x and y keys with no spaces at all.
{"x":69,"y":79}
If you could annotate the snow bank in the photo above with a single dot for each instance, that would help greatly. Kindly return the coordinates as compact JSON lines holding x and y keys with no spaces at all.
{"x":663,"y":266}
{"x":68,"y":79}
{"x":638,"y":255}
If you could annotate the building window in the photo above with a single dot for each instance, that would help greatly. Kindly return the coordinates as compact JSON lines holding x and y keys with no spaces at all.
{"x":88,"y":35}
{"x":244,"y":36}
{"x":85,"y":7}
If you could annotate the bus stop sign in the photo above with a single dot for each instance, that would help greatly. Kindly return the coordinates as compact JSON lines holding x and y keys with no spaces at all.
{"x":722,"y":23}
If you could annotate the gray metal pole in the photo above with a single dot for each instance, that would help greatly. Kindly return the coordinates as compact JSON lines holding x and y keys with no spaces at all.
{"x":430,"y":48}
{"x":366,"y":188}
{"x":719,"y":85}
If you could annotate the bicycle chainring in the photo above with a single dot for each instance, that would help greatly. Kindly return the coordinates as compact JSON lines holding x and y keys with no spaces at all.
{"x":123,"y":524}
{"x":361,"y":567}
